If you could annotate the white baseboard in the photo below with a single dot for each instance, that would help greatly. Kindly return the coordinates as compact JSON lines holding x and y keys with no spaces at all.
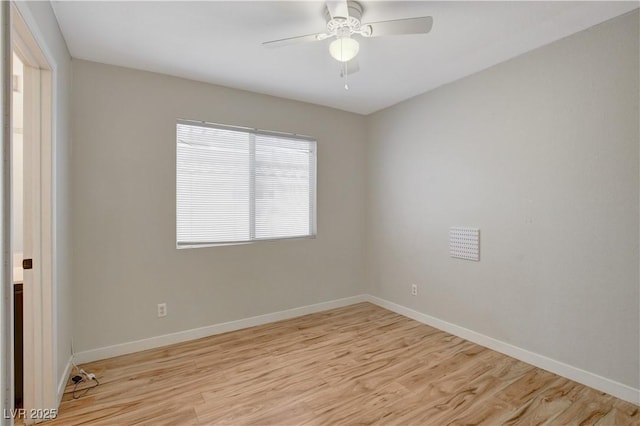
{"x":595,"y":381}
{"x":587,"y":378}
{"x":62,"y":381}
{"x":197,"y":333}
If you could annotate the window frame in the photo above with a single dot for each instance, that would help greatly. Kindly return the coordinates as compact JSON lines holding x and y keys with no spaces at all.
{"x":253,"y":132}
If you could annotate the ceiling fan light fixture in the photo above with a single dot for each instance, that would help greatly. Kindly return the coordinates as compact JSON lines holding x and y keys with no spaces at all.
{"x":344,"y":49}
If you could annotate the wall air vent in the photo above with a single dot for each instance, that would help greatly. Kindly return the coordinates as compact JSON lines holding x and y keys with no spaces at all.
{"x":464,"y":243}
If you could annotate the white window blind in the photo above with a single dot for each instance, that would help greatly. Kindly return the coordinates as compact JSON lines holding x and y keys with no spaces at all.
{"x":238,"y":185}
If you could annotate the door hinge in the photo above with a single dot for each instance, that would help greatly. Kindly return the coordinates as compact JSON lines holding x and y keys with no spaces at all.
{"x":27,"y":264}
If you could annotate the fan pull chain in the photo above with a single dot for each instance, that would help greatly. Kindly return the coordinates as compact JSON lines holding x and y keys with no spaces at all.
{"x":344,"y":71}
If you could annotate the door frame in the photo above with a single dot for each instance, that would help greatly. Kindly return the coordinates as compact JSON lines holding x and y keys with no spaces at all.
{"x":40,"y":390}
{"x":6,"y":299}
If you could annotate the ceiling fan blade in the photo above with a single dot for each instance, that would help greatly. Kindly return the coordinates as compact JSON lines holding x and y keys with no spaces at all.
{"x":294,"y":40}
{"x":338,"y":8}
{"x":420,"y":25}
{"x":353,"y":66}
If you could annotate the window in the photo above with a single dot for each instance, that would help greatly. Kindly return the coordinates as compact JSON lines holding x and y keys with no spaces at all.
{"x":237,"y":185}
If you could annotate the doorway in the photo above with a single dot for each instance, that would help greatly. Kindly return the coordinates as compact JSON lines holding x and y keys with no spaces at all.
{"x":17,"y":221}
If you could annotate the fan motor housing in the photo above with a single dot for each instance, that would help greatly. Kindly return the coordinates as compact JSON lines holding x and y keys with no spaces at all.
{"x":352,"y":21}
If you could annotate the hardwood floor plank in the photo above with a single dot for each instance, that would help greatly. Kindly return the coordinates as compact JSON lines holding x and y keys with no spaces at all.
{"x":360,"y":364}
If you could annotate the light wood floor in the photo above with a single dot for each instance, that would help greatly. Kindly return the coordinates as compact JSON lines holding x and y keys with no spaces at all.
{"x":355,"y":365}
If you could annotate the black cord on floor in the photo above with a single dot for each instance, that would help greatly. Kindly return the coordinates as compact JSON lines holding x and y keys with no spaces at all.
{"x":83,"y":391}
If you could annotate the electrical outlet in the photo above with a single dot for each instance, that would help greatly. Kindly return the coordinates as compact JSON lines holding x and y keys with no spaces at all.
{"x":162,"y":310}
{"x":414,"y":290}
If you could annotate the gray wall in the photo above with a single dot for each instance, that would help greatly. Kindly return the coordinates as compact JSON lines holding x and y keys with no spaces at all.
{"x":44,"y":26}
{"x":123,"y":169}
{"x":541,"y":153}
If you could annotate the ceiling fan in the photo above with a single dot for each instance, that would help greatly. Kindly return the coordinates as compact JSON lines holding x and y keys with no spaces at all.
{"x":344,"y":22}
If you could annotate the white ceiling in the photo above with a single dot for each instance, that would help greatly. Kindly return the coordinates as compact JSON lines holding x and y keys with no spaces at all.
{"x":220,"y":43}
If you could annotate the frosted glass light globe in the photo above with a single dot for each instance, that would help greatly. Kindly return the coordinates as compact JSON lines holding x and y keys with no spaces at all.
{"x":344,"y":49}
